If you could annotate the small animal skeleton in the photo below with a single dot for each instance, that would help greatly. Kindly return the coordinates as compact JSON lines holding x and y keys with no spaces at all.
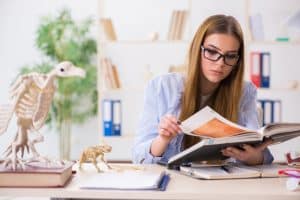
{"x":31,"y":97}
{"x":92,"y":153}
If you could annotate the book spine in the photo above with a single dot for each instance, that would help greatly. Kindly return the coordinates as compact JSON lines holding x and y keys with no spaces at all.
{"x":171,"y":26}
{"x":176,"y":25}
{"x":108,"y":29}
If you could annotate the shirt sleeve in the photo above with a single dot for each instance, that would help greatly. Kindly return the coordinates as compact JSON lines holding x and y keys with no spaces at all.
{"x":147,"y":126}
{"x":249,"y":115}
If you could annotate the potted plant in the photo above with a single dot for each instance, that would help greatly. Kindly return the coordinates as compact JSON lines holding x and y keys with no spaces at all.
{"x":60,"y":38}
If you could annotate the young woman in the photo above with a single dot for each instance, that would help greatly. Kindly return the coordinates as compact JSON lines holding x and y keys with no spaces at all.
{"x":214,"y":77}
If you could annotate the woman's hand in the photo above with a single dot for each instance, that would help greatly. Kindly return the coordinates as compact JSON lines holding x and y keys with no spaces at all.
{"x":168,"y":128}
{"x":249,"y":155}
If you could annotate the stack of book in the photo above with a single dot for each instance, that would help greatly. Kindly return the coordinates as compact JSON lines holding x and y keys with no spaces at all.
{"x":110,"y":73}
{"x":177,"y":24}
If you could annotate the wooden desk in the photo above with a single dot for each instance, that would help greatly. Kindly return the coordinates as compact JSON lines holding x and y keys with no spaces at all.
{"x":180,"y":187}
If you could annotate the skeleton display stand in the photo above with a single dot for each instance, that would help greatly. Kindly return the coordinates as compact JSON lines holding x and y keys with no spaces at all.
{"x":31,"y":97}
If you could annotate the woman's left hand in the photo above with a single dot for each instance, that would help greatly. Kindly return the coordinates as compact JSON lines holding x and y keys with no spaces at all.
{"x":249,"y":155}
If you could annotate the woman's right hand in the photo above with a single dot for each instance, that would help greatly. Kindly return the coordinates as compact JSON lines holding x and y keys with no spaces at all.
{"x":168,"y":127}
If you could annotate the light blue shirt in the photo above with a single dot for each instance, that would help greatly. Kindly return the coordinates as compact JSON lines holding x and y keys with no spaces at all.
{"x":163,"y":96}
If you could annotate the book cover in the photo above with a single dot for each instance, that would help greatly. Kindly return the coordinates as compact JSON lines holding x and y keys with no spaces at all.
{"x":39,"y":174}
{"x":127,"y":180}
{"x":233,"y":171}
{"x":218,"y":133}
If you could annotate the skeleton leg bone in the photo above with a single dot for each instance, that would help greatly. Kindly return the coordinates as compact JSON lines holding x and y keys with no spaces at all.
{"x":36,"y":157}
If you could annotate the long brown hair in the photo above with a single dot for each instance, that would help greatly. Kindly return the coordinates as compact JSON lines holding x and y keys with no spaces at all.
{"x":226,"y":98}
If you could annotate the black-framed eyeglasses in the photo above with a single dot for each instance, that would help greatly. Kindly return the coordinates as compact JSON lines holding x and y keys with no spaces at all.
{"x":230,"y":59}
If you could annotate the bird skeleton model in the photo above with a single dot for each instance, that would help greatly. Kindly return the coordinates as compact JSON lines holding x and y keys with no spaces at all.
{"x":31,"y":96}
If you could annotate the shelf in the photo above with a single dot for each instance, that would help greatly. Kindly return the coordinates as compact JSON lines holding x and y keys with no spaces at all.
{"x":273,"y":43}
{"x":140,"y":42}
{"x":278,"y":90}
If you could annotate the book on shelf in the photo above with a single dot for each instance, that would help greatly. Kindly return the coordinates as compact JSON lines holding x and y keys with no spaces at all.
{"x":177,"y":24}
{"x":232,"y":171}
{"x":271,"y":110}
{"x":257,"y":27}
{"x":128,"y":180}
{"x":108,"y":29}
{"x":177,"y":68}
{"x":36,"y":175}
{"x":111,"y":76}
{"x":218,"y":133}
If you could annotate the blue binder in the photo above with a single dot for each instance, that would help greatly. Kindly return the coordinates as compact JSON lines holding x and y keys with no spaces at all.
{"x":265,"y":60}
{"x":107,"y":117}
{"x":117,"y":117}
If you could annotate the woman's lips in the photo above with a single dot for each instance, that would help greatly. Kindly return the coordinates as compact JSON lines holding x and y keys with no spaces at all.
{"x":216,"y":73}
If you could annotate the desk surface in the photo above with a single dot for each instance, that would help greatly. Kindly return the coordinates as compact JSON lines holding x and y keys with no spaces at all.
{"x":180,"y":187}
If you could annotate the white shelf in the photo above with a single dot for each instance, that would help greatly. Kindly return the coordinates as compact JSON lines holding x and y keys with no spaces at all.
{"x":143,"y":42}
{"x":278,"y":90}
{"x":274,"y":43}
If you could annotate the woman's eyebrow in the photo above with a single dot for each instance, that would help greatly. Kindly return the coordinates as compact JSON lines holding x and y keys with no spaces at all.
{"x":215,"y":47}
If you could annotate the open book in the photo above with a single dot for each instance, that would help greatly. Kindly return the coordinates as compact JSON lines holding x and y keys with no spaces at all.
{"x":218,"y":133}
{"x":233,"y":171}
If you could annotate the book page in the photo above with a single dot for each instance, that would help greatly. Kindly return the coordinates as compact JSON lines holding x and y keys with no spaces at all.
{"x":207,"y":123}
{"x":280,"y":128}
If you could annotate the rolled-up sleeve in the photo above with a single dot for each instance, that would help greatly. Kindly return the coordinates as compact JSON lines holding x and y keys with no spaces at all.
{"x":147,"y":126}
{"x":249,"y":117}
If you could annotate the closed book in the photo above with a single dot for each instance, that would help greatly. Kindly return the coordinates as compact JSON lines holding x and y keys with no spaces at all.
{"x":127,"y":180}
{"x":36,"y":175}
{"x":232,"y":171}
{"x":218,"y":133}
{"x":108,"y":29}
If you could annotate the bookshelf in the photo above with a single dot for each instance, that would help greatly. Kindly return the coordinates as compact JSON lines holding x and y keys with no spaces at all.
{"x":138,"y":57}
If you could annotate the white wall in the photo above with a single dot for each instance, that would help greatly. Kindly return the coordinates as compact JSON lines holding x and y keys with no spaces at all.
{"x":18,"y":23}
